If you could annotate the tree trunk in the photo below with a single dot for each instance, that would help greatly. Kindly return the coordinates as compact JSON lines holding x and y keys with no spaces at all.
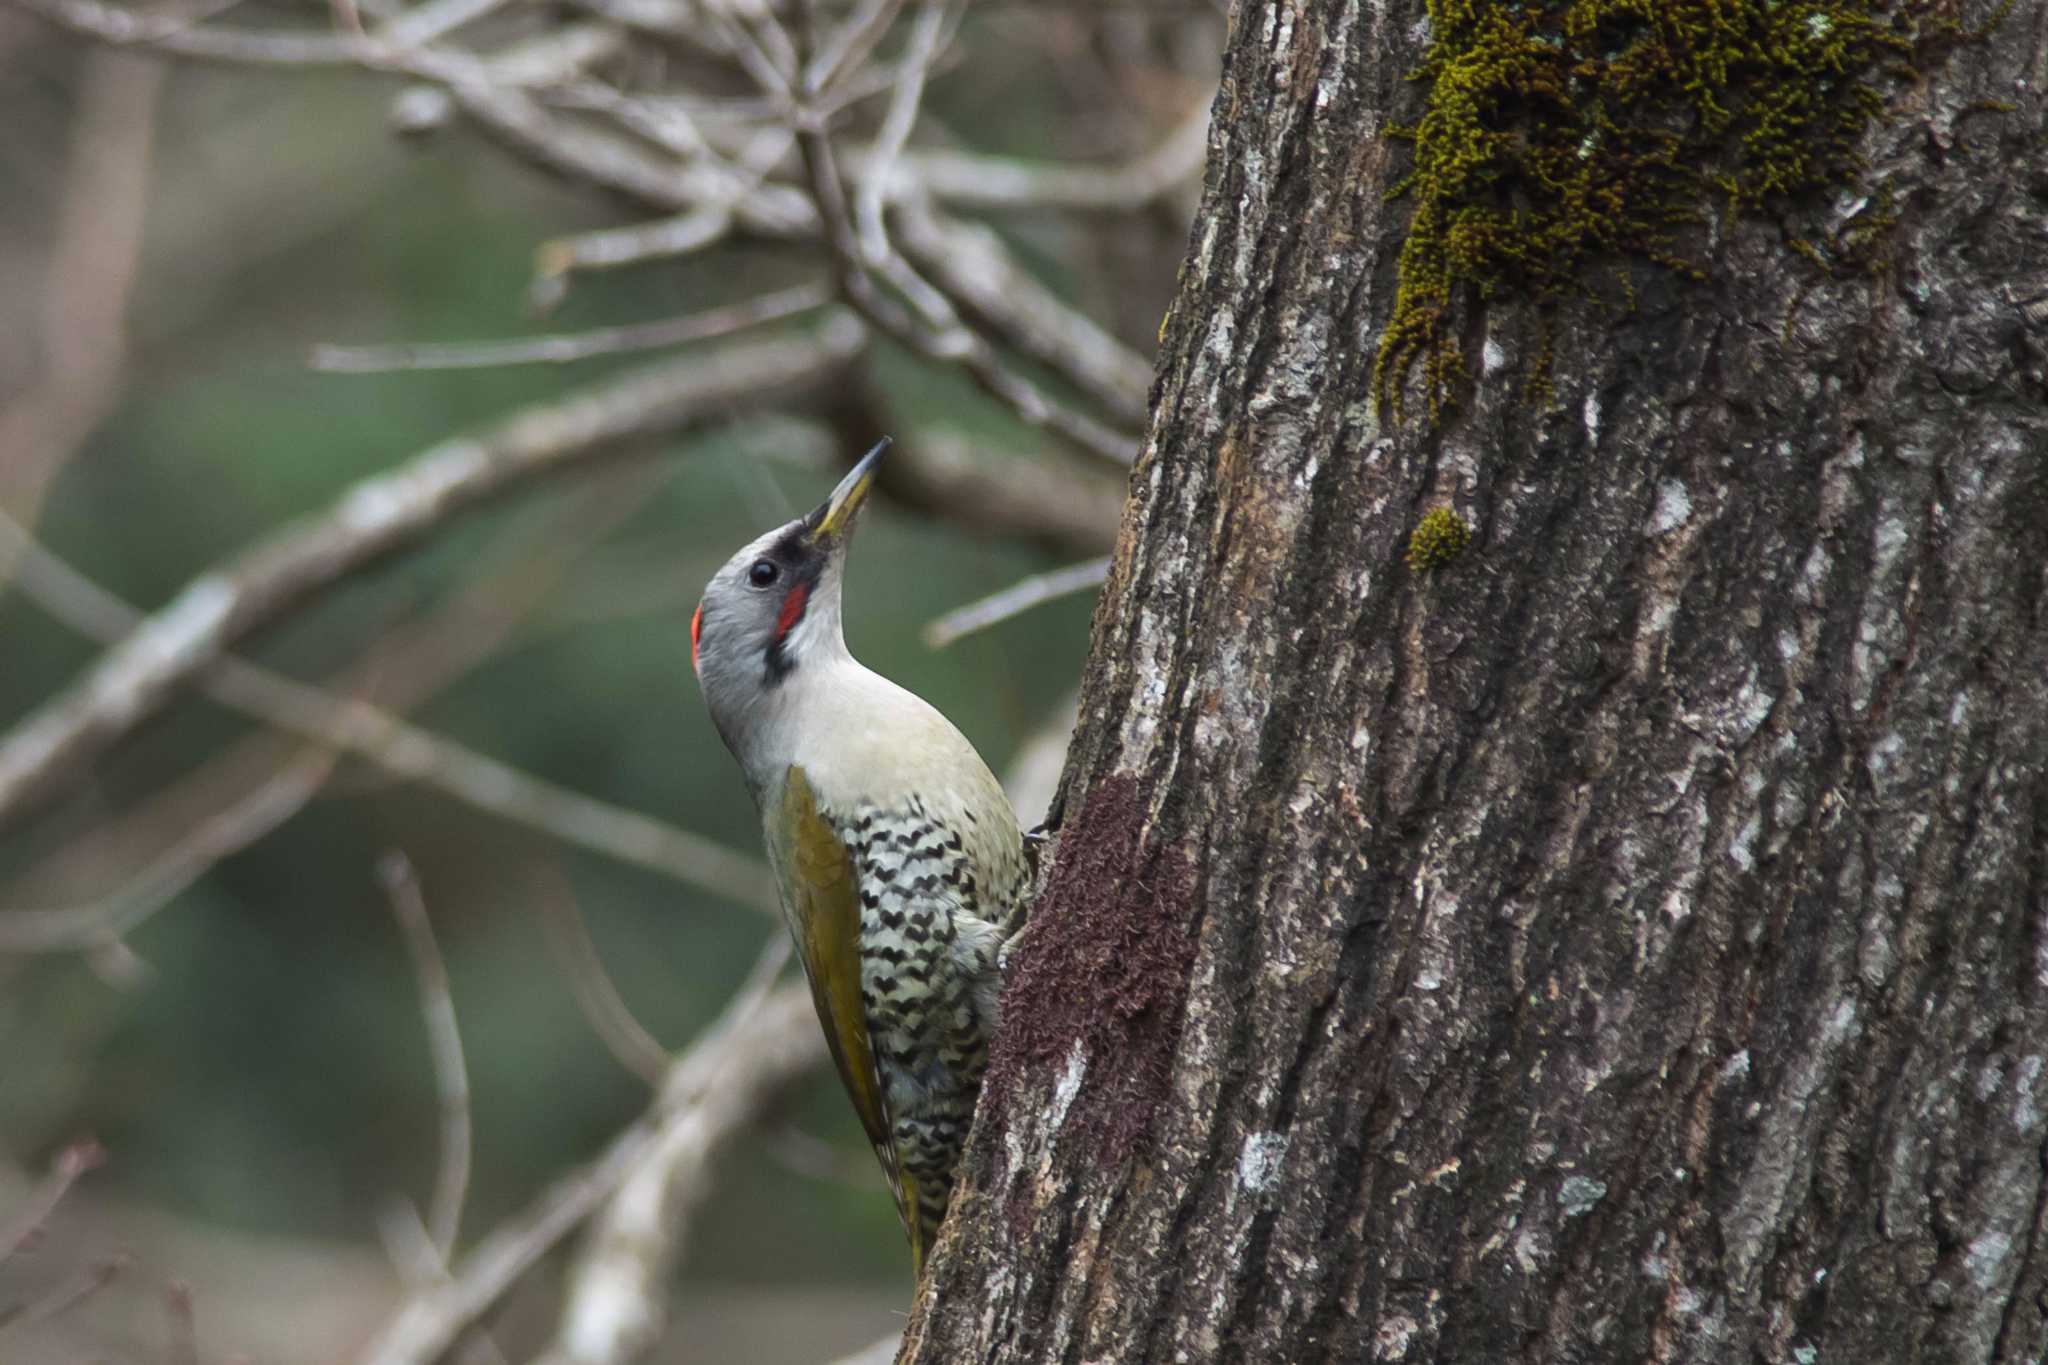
{"x":1628,"y":941}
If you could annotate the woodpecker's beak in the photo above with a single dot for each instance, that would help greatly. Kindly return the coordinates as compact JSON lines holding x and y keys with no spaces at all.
{"x":833,"y":522}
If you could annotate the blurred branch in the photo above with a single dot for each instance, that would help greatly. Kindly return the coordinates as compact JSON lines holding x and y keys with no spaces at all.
{"x":972,"y":267}
{"x":614,"y":1306}
{"x":97,"y":241}
{"x":630,"y":1044}
{"x":938,"y":334}
{"x":713,"y":198}
{"x":66,"y":1296}
{"x":411,"y":1248}
{"x":254,"y":786}
{"x":560,"y":349}
{"x":71,"y":1163}
{"x":184,"y":1346}
{"x":424,"y":23}
{"x":726,"y":1080}
{"x":406,"y":751}
{"x":382,"y":514}
{"x":840,"y":53}
{"x":1062,"y":502}
{"x":222,"y":834}
{"x":977,"y":180}
{"x":1018,"y":598}
{"x":923,"y":50}
{"x":444,"y":1038}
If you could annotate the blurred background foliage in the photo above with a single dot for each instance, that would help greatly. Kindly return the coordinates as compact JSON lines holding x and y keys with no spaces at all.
{"x":254,"y":1060}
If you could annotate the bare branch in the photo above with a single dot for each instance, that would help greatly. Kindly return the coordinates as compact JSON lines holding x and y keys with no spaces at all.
{"x":614,"y":1308}
{"x":939,"y":337}
{"x":562,"y":348}
{"x":411,"y":1248}
{"x":1056,"y":498}
{"x":410,"y":753}
{"x":972,"y":267}
{"x":715,"y":216}
{"x":1019,"y":597}
{"x":382,"y":514}
{"x":67,"y":1295}
{"x":923,"y":50}
{"x":630,"y":1044}
{"x":977,"y":180}
{"x":184,"y":1346}
{"x":252,"y":788}
{"x":720,"y":1086}
{"x":444,"y":1038}
{"x":435,"y":19}
{"x":846,"y":49}
{"x":553,"y":57}
{"x":71,"y":1163}
{"x":226,"y":832}
{"x":178,"y":37}
{"x":97,"y":242}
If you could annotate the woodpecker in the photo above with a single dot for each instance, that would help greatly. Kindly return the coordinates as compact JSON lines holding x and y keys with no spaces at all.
{"x":897,"y":857}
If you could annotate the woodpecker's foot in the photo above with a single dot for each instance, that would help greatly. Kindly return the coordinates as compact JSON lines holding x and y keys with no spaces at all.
{"x":1037,"y":837}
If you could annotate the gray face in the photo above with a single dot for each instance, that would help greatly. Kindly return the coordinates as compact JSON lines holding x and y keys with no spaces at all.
{"x":763,"y":613}
{"x":770,"y":620}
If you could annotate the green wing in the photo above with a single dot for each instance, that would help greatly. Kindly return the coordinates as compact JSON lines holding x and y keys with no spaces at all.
{"x":822,"y":900}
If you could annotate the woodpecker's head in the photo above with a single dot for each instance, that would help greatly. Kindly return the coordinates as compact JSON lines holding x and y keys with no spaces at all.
{"x":773,"y":611}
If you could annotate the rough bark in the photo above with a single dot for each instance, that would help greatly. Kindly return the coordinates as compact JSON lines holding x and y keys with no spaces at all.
{"x":1629,"y":942}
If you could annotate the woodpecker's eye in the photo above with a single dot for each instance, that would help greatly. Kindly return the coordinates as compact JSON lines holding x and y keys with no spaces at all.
{"x":763,"y":573}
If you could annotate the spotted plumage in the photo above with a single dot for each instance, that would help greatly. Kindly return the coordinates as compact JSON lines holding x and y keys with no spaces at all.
{"x":899,"y":861}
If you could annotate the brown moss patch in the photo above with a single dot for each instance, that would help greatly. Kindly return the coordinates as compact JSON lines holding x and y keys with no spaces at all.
{"x":1103,"y":964}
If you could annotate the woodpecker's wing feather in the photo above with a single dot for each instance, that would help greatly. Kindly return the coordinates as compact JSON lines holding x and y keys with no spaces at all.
{"x":824,"y":915}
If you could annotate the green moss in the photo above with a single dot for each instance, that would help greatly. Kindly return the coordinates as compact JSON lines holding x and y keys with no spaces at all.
{"x":1565,"y":142}
{"x":1439,"y":538}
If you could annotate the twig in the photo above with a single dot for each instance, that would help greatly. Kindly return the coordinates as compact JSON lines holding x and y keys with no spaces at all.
{"x":444,"y":1038}
{"x":552,"y":58}
{"x":178,"y":37}
{"x":71,"y":1163}
{"x":923,"y":49}
{"x":424,"y":23}
{"x":383,"y":514}
{"x":67,"y":1295}
{"x":411,"y":1249}
{"x":562,"y":348}
{"x":412,"y":753}
{"x":614,"y":1306}
{"x":630,"y":1044}
{"x":97,"y":242}
{"x":720,"y":1086}
{"x":942,"y":339}
{"x":1014,"y":600}
{"x":972,"y":267}
{"x":847,"y":47}
{"x":228,"y":831}
{"x":234,"y":796}
{"x":184,"y":1347}
{"x":710,"y":221}
{"x":1065,"y":501}
{"x":977,"y":180}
